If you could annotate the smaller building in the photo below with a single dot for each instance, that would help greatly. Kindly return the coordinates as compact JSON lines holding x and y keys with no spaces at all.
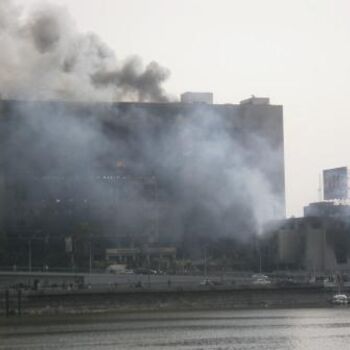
{"x":314,"y":244}
{"x":256,"y":101}
{"x":327,"y":209}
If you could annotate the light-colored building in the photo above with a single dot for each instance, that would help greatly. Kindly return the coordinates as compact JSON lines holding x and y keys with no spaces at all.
{"x":315,"y":244}
{"x":256,"y":101}
{"x":197,"y":97}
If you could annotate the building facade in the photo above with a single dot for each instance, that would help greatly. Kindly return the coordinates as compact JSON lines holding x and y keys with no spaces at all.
{"x":317,"y":244}
{"x":137,"y":173}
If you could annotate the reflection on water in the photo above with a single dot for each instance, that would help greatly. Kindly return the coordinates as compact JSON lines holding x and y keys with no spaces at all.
{"x":260,"y":329}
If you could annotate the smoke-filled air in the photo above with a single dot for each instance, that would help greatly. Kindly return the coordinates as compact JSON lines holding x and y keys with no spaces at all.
{"x":43,"y":56}
{"x":163,"y":171}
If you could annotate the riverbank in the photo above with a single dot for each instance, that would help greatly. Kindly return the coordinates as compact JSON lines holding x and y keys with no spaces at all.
{"x":118,"y":301}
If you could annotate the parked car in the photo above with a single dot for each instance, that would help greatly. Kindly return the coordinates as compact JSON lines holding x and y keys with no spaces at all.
{"x":117,"y":269}
{"x":259,"y":276}
{"x":261,"y":279}
{"x":209,"y":282}
{"x":206,"y":282}
{"x":144,"y":271}
{"x":262,"y":282}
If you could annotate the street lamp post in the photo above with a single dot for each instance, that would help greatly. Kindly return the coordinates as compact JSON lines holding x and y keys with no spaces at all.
{"x":205,"y":262}
{"x":30,"y":255}
{"x":90,"y":256}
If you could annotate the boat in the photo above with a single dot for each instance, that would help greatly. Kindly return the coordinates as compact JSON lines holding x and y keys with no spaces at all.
{"x":340,"y":299}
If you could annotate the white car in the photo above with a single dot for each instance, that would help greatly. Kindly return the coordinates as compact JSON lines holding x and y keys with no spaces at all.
{"x":260,"y":279}
{"x":117,"y":269}
{"x":206,"y":282}
{"x":259,"y":276}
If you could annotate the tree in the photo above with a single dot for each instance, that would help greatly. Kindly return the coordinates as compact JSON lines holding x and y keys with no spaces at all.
{"x":3,"y":247}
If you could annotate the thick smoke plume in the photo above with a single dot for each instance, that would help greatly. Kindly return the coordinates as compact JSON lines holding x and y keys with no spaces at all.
{"x":43,"y":56}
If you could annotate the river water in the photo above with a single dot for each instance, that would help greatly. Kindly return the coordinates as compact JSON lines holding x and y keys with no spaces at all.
{"x":298,"y":329}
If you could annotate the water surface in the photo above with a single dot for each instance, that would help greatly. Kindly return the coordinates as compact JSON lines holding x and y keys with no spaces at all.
{"x":300,"y":329}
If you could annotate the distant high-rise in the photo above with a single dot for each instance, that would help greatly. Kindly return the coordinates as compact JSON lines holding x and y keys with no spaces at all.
{"x":336,"y":183}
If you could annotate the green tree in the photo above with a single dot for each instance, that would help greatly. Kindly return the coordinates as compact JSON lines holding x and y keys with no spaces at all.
{"x":3,"y":247}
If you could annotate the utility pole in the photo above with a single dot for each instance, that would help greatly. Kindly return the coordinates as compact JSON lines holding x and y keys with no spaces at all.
{"x":156,"y":219}
{"x":260,"y":265}
{"x":90,"y":256}
{"x":30,"y":255}
{"x":258,"y":250}
{"x":320,"y":194}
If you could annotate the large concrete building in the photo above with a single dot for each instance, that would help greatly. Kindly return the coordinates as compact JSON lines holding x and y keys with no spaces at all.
{"x":139,"y":173}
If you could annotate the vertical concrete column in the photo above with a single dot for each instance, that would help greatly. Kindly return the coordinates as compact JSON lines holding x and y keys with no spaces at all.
{"x":2,"y":193}
{"x":2,"y":178}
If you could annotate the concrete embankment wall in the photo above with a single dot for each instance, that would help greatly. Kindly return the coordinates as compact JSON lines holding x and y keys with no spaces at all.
{"x":171,"y":300}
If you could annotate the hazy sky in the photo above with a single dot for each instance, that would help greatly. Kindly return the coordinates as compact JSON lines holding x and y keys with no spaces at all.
{"x":297,"y":52}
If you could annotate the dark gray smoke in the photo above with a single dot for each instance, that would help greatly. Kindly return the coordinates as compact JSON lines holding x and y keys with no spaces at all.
{"x":43,"y":56}
{"x":132,"y":77}
{"x":45,"y":31}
